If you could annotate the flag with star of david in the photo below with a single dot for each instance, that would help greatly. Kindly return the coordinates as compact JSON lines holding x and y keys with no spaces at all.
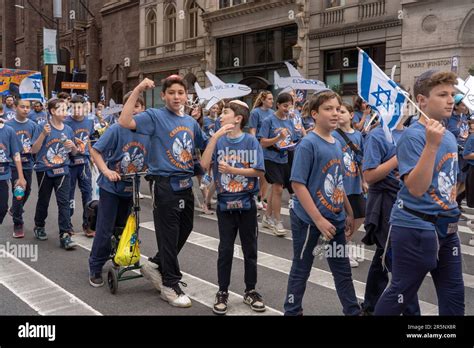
{"x":381,"y":93}
{"x":31,"y":87}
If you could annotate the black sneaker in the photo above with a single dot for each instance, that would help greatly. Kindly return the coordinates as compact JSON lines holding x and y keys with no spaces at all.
{"x":254,"y":300}
{"x":66,"y":242}
{"x":96,"y":280}
{"x":220,"y":303}
{"x":40,"y":233}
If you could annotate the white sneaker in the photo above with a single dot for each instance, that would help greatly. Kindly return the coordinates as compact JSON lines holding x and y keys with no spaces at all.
{"x":213,"y":201}
{"x":259,"y":205}
{"x":471,"y":241}
{"x":141,"y":195}
{"x":150,"y":271}
{"x":268,"y":222}
{"x":353,"y":262}
{"x":175,"y":296}
{"x":278,"y":229}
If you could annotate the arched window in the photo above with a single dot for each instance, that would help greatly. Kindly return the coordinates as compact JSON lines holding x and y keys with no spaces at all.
{"x":193,"y":19}
{"x":151,"y":28}
{"x":170,"y":20}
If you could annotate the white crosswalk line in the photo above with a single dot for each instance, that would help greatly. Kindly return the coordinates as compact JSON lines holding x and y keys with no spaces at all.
{"x":198,"y":289}
{"x":318,"y":276}
{"x":465,"y":249}
{"x":40,"y":293}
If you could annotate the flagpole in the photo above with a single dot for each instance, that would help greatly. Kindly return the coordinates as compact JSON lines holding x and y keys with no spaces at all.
{"x":406,"y":95}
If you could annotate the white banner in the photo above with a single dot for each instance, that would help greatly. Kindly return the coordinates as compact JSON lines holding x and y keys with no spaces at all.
{"x":49,"y":44}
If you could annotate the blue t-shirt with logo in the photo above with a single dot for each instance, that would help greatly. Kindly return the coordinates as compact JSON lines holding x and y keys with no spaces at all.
{"x":441,"y":195}
{"x":9,"y":113}
{"x":257,"y":116}
{"x":53,"y":154}
{"x":469,"y":148}
{"x":9,"y":146}
{"x":378,"y":150}
{"x":352,"y":179}
{"x":25,"y":132}
{"x":457,"y":124}
{"x":40,"y":118}
{"x":271,"y":127}
{"x":243,"y":152}
{"x":124,"y":152}
{"x":297,"y":124}
{"x":83,"y":131}
{"x":209,"y":126}
{"x":217,"y":124}
{"x":173,"y":141}
{"x":319,"y":166}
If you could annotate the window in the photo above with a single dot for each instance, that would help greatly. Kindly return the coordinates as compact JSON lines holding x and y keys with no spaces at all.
{"x":170,"y":21}
{"x":193,"y":19}
{"x":334,"y":3}
{"x":151,"y":28}
{"x":269,"y":46}
{"x":340,"y":66}
{"x":80,"y":12}
{"x":229,"y":3}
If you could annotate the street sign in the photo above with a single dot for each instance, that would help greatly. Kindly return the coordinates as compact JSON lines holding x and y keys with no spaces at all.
{"x":57,"y":68}
{"x":74,"y":85}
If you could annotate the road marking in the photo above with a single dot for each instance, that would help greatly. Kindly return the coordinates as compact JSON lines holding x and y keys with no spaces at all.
{"x":40,"y":293}
{"x":198,"y":289}
{"x":318,"y":276}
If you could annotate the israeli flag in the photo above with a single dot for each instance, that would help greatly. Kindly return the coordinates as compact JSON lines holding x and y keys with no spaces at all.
{"x":102,"y":94}
{"x":381,"y":93}
{"x":31,"y":88}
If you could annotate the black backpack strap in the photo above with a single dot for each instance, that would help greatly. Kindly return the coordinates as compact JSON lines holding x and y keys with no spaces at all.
{"x":349,"y":142}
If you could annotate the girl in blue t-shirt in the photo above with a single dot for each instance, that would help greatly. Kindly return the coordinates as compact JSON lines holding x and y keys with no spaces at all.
{"x":468,"y":155}
{"x":276,"y":136}
{"x":354,"y":185}
{"x":262,"y":108}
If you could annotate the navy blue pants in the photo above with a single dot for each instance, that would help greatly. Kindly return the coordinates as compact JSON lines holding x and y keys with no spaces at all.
{"x":305,"y":239}
{"x":113,"y":211}
{"x":82,"y":175}
{"x":377,"y":280}
{"x":414,"y":254}
{"x":60,"y":185}
{"x":17,"y":205}
{"x":3,"y":199}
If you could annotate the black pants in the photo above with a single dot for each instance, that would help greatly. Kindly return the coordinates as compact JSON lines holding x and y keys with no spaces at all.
{"x":3,"y":199}
{"x":470,"y":187}
{"x":173,"y":214}
{"x":244,"y":222}
{"x":60,"y":184}
{"x":17,"y":205}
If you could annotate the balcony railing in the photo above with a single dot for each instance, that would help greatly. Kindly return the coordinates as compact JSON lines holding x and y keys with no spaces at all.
{"x":170,"y":48}
{"x":371,"y":9}
{"x":332,"y":16}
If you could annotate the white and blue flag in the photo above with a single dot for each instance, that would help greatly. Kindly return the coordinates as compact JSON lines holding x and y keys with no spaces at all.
{"x":31,"y":88}
{"x":382,"y":94}
{"x":102,"y":94}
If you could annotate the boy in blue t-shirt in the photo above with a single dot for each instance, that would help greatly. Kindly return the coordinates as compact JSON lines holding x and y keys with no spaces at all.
{"x":25,"y":130}
{"x":321,"y":207}
{"x":80,"y":171}
{"x":424,"y":217}
{"x":118,"y":151}
{"x":52,"y":147}
{"x":10,"y":149}
{"x":174,"y":138}
{"x":237,"y":160}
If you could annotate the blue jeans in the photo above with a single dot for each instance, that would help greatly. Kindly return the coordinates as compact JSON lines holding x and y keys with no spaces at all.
{"x":113,"y":211}
{"x":305,"y":239}
{"x":414,"y":254}
{"x":82,"y":175}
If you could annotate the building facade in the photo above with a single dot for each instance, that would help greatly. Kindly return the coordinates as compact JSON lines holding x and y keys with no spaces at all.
{"x":97,"y":41}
